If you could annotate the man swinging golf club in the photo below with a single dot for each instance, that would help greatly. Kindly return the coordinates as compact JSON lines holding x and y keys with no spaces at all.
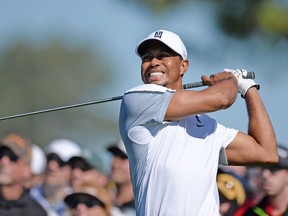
{"x":174,"y":147}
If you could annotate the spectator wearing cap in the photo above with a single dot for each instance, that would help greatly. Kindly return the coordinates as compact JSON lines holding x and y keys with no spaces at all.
{"x":120,"y":174}
{"x":38,"y":163}
{"x":15,"y":170}
{"x":87,"y":169}
{"x":275,"y":186}
{"x":232,"y":193}
{"x":89,"y":199}
{"x":56,"y":183}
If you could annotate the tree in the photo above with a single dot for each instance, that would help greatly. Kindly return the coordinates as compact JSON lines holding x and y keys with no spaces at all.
{"x":36,"y":78}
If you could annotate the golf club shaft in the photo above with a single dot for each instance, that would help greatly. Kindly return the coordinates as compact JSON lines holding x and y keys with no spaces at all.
{"x":185,"y":86}
{"x":62,"y":108}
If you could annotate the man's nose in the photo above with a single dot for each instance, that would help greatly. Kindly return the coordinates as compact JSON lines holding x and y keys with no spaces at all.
{"x":4,"y":159}
{"x":154,"y":62}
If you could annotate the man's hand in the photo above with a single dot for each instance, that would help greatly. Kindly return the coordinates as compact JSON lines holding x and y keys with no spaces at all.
{"x":216,"y":78}
{"x":243,"y":84}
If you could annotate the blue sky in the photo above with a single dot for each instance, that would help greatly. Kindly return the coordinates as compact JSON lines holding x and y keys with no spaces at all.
{"x":115,"y":27}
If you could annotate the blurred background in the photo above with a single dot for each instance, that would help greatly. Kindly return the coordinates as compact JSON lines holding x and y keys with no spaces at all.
{"x":57,"y":53}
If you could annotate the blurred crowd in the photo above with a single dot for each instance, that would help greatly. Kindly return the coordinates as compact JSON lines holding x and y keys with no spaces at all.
{"x":255,"y":190}
{"x":63,"y":179}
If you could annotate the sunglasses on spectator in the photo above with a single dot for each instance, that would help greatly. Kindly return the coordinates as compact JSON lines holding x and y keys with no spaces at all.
{"x":273,"y":169}
{"x":8,"y":153}
{"x":88,"y":203}
{"x":77,"y":162}
{"x":56,"y":158}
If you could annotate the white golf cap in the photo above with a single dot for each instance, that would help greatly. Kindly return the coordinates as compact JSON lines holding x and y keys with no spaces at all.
{"x":170,"y":39}
{"x":38,"y":161}
{"x":64,"y":148}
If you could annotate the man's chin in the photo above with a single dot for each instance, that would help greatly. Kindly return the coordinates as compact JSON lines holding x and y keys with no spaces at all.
{"x":156,"y":82}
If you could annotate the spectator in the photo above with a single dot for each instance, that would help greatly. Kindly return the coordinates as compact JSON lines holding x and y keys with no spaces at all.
{"x":120,"y":174}
{"x":89,"y":200}
{"x":56,"y":184}
{"x":15,"y":170}
{"x":38,"y":163}
{"x":86,"y":168}
{"x":231,"y":193}
{"x":275,"y":186}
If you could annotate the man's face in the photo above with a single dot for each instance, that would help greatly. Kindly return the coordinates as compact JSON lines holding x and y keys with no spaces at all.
{"x":83,"y":210}
{"x":120,"y":172}
{"x":83,"y":173}
{"x":13,"y":170}
{"x":274,"y":180}
{"x":92,"y":176}
{"x":162,"y":66}
{"x":57,"y":172}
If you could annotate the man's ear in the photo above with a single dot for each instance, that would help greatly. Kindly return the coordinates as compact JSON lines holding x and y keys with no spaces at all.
{"x":184,"y":67}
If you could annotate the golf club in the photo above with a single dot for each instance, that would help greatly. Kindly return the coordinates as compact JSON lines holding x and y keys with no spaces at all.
{"x":250,"y":75}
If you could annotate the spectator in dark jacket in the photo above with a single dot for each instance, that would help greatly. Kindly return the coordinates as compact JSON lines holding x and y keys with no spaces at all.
{"x":15,"y":157}
{"x":275,"y":186}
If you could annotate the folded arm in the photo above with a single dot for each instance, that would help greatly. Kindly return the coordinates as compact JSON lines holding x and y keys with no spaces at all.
{"x":221,"y":94}
{"x":258,"y":146}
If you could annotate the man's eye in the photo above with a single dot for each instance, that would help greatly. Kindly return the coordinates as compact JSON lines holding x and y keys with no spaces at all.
{"x":146,"y":58}
{"x":164,"y":55}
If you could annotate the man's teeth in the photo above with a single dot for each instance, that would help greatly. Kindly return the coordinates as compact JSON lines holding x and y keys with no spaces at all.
{"x":155,"y":74}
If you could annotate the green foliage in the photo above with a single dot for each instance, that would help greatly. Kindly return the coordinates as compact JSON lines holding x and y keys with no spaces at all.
{"x":239,"y":18}
{"x":242,"y":18}
{"x":273,"y":18}
{"x":36,"y":78}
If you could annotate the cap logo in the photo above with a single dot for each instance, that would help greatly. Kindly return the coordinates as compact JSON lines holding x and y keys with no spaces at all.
{"x":158,"y":34}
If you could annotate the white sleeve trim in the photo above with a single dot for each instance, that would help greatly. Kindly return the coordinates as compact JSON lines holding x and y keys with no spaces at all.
{"x":149,"y":88}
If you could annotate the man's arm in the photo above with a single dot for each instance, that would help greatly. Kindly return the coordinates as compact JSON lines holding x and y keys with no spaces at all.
{"x":259,"y":145}
{"x":221,"y":94}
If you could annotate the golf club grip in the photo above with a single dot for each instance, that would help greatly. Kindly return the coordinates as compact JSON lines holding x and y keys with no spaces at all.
{"x":250,"y":75}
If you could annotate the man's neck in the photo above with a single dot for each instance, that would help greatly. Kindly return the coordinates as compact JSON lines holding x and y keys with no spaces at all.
{"x":55,"y":193}
{"x":11,"y":192}
{"x":176,"y":86}
{"x":279,"y":203}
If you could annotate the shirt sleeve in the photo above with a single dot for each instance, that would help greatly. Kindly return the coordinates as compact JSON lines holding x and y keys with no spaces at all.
{"x":146,"y":104}
{"x":228,"y":135}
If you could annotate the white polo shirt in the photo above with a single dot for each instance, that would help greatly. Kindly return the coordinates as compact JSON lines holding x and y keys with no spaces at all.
{"x":173,"y":164}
